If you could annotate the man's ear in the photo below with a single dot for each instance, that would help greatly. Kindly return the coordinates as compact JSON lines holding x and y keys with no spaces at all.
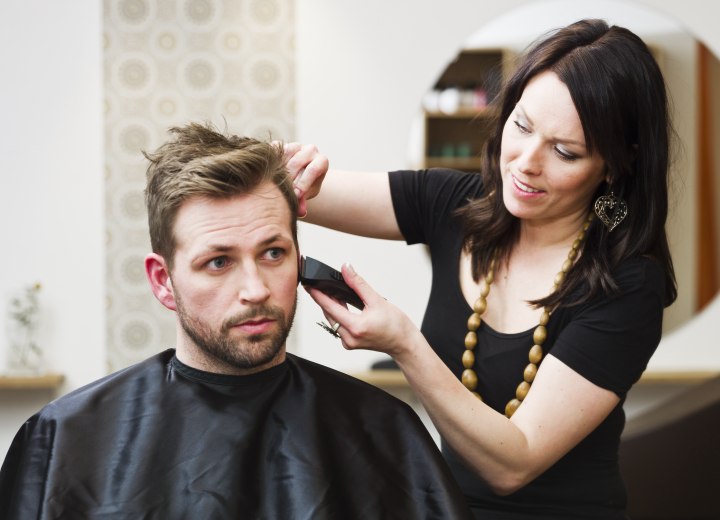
{"x":158,"y":275}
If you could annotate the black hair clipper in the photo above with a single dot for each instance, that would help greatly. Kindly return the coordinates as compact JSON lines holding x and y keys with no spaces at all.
{"x":320,"y":276}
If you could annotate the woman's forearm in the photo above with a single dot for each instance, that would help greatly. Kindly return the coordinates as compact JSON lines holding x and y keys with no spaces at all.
{"x":355,"y":202}
{"x":495,"y":448}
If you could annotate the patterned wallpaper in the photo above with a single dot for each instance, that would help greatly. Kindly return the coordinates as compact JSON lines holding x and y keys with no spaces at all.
{"x":167,"y":62}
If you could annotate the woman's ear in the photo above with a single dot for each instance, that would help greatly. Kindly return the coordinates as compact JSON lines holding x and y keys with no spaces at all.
{"x":158,"y":275}
{"x":608,"y":176}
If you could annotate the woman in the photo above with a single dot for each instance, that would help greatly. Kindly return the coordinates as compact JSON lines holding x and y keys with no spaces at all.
{"x":551,"y":270}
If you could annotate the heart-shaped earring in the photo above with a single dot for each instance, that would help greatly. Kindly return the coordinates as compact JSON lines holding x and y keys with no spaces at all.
{"x":611,"y":210}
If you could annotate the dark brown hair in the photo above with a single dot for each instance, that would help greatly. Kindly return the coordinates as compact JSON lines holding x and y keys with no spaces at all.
{"x":199,"y":161}
{"x":619,"y":93}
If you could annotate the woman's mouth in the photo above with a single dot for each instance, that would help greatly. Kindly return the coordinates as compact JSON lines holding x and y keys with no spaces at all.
{"x":524,"y":187}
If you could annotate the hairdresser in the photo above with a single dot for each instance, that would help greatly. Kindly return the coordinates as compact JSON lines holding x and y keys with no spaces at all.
{"x":551,"y":271}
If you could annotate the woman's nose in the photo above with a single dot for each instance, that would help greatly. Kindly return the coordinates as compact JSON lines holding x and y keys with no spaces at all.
{"x":530,"y":159}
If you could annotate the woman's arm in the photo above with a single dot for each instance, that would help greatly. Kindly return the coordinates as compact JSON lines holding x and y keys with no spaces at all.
{"x":352,"y":202}
{"x":561,"y":410}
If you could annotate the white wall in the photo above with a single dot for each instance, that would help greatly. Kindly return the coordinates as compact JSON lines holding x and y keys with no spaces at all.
{"x":51,"y":198}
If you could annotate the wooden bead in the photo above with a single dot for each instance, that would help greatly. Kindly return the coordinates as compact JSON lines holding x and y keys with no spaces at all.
{"x":530,"y":372}
{"x":468,"y":359}
{"x":544,"y":318}
{"x":522,"y":390}
{"x":474,"y":322}
{"x":512,"y":407}
{"x":470,"y":340}
{"x":484,"y":289}
{"x":469,"y":379}
{"x":490,"y":277}
{"x":535,"y":355}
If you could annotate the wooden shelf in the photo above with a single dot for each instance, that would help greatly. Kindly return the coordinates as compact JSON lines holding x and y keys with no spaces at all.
{"x":461,"y":113}
{"x":28,"y":382}
{"x":387,"y":378}
{"x":677,"y":377}
{"x":394,"y":379}
{"x":457,"y":163}
{"x":455,"y":139}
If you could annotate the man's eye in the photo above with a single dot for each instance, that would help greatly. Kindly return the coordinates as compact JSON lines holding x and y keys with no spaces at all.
{"x":218,"y":263}
{"x":275,"y":253}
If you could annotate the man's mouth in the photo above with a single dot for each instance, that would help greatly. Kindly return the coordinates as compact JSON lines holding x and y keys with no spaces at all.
{"x":255,"y":326}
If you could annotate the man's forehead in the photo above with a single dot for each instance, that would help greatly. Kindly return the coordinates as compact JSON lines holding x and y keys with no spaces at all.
{"x":262,"y":214}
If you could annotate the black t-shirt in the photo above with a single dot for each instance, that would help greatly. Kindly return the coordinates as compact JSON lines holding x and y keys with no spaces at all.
{"x":607,"y":340}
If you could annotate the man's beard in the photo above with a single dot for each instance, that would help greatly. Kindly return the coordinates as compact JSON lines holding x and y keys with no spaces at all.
{"x":254,"y":351}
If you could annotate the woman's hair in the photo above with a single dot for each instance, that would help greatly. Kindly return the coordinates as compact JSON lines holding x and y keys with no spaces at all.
{"x":199,"y":161}
{"x":619,"y":93}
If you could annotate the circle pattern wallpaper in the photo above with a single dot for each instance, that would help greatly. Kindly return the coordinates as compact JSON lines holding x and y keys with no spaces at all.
{"x":168,"y":62}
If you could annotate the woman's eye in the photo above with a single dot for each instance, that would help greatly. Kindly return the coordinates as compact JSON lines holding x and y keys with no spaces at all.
{"x":565,"y":156}
{"x":523,"y":129}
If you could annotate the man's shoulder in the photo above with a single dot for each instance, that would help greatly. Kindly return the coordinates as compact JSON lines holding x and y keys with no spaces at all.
{"x":104,"y":388}
{"x":340,"y":385}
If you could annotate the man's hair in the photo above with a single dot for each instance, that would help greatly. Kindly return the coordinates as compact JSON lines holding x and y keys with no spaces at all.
{"x":199,"y":161}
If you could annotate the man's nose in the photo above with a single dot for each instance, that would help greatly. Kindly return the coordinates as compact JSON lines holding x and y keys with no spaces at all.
{"x":253,"y":286}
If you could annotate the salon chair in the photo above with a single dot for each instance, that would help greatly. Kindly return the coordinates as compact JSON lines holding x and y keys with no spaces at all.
{"x":670,"y":457}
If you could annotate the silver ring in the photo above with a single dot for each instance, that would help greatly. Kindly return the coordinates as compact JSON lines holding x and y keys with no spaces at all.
{"x":332,"y":330}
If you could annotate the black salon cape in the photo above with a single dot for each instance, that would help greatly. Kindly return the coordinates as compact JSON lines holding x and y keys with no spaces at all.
{"x":161,"y":440}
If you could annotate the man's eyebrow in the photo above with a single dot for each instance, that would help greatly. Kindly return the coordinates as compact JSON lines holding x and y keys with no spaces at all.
{"x":224,"y":248}
{"x":278,"y":237}
{"x":220,"y":248}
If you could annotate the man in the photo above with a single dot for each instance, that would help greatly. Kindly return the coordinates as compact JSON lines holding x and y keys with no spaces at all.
{"x":226,"y":425}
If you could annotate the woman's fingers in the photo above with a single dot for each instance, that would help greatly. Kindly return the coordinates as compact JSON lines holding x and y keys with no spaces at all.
{"x":307,"y":167}
{"x":374,"y":328}
{"x":358,"y":284}
{"x":333,"y":311}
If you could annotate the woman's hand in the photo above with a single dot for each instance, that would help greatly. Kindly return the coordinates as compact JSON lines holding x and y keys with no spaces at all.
{"x":307,"y":167}
{"x":352,"y":202}
{"x":380,"y":326}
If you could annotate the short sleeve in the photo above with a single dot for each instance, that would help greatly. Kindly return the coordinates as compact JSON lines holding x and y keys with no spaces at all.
{"x":611,"y":339}
{"x":424,"y":200}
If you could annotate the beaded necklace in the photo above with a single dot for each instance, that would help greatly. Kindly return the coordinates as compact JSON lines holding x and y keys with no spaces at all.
{"x":469,"y":376}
